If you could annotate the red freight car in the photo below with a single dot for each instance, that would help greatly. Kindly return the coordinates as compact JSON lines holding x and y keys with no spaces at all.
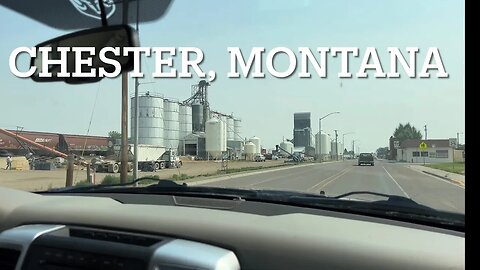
{"x":65,"y":143}
{"x":11,"y":144}
{"x":86,"y":144}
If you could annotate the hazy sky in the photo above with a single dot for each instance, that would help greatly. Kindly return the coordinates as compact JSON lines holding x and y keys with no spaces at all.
{"x":371,"y":108}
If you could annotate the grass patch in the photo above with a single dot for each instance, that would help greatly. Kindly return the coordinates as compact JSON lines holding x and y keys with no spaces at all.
{"x":182,"y":176}
{"x":83,"y":183}
{"x":113,"y":179}
{"x":457,"y":167}
{"x":244,"y":169}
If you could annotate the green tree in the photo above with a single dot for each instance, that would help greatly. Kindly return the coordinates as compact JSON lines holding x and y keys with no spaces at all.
{"x":382,"y":152}
{"x":407,"y":131}
{"x":114,"y":135}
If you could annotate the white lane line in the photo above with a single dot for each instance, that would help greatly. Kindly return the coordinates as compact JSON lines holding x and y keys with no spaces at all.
{"x":449,"y":204}
{"x":391,"y":177}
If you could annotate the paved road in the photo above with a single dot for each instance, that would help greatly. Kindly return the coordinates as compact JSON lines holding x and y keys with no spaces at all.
{"x":340,"y":177}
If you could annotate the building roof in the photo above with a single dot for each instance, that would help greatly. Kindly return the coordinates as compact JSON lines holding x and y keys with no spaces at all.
{"x":414,"y":143}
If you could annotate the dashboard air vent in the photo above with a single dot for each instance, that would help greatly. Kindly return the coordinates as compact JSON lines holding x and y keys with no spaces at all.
{"x":114,"y":237}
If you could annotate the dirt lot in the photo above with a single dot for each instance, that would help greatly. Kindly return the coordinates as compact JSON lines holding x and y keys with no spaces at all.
{"x":43,"y":180}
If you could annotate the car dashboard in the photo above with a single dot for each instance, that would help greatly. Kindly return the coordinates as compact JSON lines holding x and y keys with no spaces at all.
{"x":161,"y":232}
{"x":43,"y":246}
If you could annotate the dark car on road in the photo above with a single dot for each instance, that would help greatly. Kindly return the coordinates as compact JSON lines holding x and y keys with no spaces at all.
{"x":365,"y":158}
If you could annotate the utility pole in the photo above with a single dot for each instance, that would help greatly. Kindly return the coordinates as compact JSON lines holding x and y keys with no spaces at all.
{"x":320,"y":132}
{"x":135,"y":117}
{"x":70,"y":168}
{"x":353,"y":148}
{"x":343,"y":143}
{"x":336,"y":144}
{"x":426,"y":132}
{"x":124,"y":129}
{"x":458,"y":139}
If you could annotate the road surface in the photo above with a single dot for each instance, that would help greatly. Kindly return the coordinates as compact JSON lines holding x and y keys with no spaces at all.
{"x":345,"y":176}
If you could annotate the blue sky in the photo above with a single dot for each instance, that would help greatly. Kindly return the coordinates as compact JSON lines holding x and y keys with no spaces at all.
{"x":371,"y":108}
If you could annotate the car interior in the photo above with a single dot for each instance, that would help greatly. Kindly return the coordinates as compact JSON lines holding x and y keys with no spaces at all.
{"x":160,"y":230}
{"x":106,"y":231}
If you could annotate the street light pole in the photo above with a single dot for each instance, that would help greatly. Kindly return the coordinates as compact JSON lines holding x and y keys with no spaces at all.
{"x":336,"y":145}
{"x":320,"y":133}
{"x":353,"y":147}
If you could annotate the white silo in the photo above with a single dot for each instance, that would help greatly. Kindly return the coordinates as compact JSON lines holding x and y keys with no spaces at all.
{"x":340,"y":149}
{"x":256,"y":141}
{"x":185,"y":119}
{"x":250,"y":149}
{"x":334,"y":147}
{"x":287,"y":146}
{"x":326,"y":146}
{"x":230,"y":129}
{"x":171,"y":110}
{"x":237,"y":123}
{"x":223,"y":119}
{"x":150,"y":119}
{"x":215,"y":141}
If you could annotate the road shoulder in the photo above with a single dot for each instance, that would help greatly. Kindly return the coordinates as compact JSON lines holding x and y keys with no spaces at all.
{"x":453,"y":178}
{"x":218,"y":178}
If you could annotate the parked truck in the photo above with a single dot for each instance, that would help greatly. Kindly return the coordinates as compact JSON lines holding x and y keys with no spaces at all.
{"x":150,"y":158}
{"x":99,"y":164}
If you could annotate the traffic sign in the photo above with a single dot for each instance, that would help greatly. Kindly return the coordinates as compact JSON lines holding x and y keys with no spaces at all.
{"x":423,"y":146}
{"x":396,"y":144}
{"x":452,"y":142}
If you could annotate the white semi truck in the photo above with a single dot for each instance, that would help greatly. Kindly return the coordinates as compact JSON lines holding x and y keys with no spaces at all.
{"x":150,"y":158}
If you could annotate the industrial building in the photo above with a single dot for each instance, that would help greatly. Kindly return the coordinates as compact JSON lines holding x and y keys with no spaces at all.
{"x":302,"y":129}
{"x":429,"y":151}
{"x":189,"y":126}
{"x":322,"y":146}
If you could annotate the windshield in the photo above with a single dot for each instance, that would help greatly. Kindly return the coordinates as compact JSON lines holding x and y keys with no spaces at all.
{"x":268,"y":95}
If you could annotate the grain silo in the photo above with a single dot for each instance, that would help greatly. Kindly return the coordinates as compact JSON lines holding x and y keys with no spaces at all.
{"x":171,"y":112}
{"x":150,"y":119}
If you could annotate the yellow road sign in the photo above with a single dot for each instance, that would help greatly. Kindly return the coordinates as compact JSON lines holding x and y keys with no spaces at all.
{"x":423,"y":146}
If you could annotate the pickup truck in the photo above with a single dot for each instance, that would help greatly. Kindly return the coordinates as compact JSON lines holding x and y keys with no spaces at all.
{"x":365,"y":158}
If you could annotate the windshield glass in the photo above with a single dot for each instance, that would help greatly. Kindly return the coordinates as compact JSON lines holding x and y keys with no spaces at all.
{"x":269,"y":95}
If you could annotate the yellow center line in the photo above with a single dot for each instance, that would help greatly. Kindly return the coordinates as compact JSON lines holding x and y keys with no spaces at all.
{"x":337,"y":177}
{"x":264,"y":181}
{"x":328,"y":178}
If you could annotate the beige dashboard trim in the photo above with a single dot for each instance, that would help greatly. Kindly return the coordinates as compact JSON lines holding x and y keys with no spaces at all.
{"x":299,"y":239}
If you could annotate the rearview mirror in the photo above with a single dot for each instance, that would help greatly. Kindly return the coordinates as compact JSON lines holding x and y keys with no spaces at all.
{"x":78,"y":57}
